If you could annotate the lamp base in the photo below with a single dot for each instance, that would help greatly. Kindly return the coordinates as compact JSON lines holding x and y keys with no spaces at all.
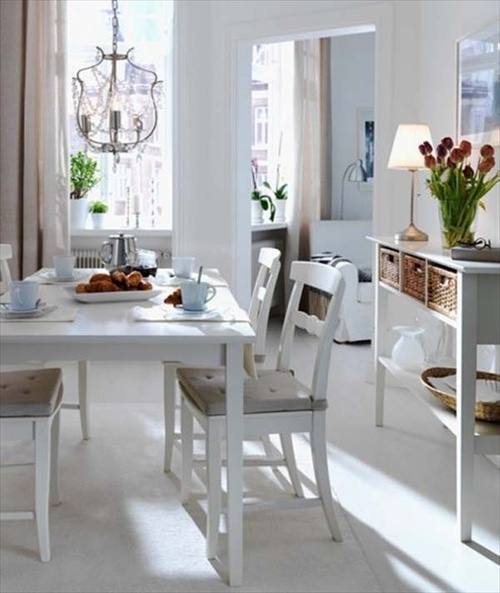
{"x":411,"y":233}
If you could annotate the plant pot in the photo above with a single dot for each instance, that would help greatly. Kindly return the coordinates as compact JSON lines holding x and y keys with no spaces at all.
{"x":458,"y":225}
{"x":257,"y":212}
{"x":79,"y":210}
{"x":280,"y":215}
{"x":97,"y":220}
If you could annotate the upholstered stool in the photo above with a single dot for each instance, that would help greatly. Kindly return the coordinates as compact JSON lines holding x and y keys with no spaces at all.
{"x":30,"y":401}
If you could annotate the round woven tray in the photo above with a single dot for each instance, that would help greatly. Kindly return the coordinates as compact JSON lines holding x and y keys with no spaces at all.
{"x":487,"y":411}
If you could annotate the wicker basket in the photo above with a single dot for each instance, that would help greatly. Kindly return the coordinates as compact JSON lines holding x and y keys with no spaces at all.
{"x":486,"y":411}
{"x":442,"y":290}
{"x":389,"y":267}
{"x":414,"y":277}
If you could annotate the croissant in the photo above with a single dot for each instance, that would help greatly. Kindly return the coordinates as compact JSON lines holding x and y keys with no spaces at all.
{"x":102,"y":286}
{"x":134,"y":279}
{"x":120,"y":279}
{"x":99,"y":277}
{"x":174,"y":298}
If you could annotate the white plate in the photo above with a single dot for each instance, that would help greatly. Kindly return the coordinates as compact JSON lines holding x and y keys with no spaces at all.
{"x":51,"y":278}
{"x":7,"y":313}
{"x":113,"y":297}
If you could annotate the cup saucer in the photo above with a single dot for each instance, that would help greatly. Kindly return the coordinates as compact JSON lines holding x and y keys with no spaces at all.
{"x":7,"y":311}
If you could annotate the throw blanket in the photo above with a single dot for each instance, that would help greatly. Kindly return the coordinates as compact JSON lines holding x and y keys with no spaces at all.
{"x":328,"y":258}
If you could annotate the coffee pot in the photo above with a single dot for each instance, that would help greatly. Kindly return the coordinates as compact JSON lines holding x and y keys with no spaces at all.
{"x":117,"y":250}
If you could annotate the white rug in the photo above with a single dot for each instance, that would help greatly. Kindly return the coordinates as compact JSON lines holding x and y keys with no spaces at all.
{"x":121,"y":527}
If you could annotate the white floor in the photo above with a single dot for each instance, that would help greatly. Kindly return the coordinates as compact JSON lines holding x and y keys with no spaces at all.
{"x":121,"y":527}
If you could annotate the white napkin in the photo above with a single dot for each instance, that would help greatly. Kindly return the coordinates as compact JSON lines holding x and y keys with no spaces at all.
{"x":54,"y":313}
{"x":170,"y":313}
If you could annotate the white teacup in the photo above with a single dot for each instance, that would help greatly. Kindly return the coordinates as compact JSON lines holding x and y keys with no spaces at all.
{"x":23,"y":295}
{"x":63,"y":266}
{"x":183,"y":266}
{"x":196,"y":294}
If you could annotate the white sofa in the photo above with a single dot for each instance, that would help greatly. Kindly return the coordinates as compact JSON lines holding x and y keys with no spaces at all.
{"x":347,"y":238}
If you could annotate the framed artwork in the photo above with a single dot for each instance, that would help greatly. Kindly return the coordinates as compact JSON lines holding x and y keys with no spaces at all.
{"x":478,"y":91}
{"x":366,"y":144}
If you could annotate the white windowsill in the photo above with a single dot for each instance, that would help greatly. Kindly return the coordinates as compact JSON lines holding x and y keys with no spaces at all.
{"x":115,"y":231}
{"x":266,"y":226}
{"x":269,"y":226}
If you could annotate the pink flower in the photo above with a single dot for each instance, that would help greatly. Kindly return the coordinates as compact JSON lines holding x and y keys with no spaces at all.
{"x":466,"y":148}
{"x":487,"y":150}
{"x":486,"y":164}
{"x":457,"y":155}
{"x":468,"y":172}
{"x":430,"y":161}
{"x":448,"y":142}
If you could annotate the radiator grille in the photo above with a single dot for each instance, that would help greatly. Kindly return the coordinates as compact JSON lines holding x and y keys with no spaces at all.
{"x":87,"y":258}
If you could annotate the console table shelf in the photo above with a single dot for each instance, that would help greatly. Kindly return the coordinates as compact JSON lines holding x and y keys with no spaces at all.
{"x":486,"y":434}
{"x":474,"y":314}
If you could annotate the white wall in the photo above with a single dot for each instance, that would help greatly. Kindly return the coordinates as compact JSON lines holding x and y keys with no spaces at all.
{"x":442,"y":25}
{"x":352,"y":87}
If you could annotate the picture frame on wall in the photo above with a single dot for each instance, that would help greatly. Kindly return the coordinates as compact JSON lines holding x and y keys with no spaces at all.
{"x":478,"y":87}
{"x":366,"y":145}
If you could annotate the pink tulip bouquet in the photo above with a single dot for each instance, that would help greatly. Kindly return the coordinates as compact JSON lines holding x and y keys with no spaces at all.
{"x":458,"y":187}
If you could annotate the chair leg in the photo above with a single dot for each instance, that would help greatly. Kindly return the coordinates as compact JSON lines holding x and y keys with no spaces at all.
{"x":291,"y":464}
{"x":187,"y":422}
{"x":169,"y":399}
{"x":42,"y":485}
{"x":54,"y":460}
{"x":320,"y":461}
{"x":83,"y":399}
{"x":214,"y":487}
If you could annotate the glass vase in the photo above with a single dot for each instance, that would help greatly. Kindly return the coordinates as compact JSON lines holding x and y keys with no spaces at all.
{"x":458,"y":225}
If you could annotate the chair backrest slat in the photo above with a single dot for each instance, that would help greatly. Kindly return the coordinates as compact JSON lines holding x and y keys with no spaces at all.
{"x":5,"y":277}
{"x":328,"y":280}
{"x":262,"y":296}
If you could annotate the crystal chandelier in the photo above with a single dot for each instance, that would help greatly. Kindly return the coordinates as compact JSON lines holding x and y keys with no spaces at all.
{"x":116,"y":101}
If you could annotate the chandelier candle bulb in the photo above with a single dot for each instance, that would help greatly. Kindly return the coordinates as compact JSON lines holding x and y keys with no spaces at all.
{"x":115,"y":119}
{"x":86,"y":124}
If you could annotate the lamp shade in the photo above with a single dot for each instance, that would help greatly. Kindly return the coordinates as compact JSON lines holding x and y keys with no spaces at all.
{"x":357,"y":172}
{"x":405,"y":153}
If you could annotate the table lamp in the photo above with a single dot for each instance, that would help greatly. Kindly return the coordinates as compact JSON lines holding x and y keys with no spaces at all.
{"x":406,"y":156}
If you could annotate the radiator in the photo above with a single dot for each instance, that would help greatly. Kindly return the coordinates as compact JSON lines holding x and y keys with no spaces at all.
{"x":87,"y":258}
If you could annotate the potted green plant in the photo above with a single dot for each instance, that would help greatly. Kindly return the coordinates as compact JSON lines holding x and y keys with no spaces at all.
{"x":280,"y":193}
{"x":458,"y":187}
{"x":261,"y":202}
{"x":84,"y":175}
{"x":98,"y":211}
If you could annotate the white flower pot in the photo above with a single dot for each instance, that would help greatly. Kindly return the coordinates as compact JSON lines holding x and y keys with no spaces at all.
{"x":97,"y":220}
{"x":280,"y":215}
{"x":257,"y":212}
{"x":79,"y":210}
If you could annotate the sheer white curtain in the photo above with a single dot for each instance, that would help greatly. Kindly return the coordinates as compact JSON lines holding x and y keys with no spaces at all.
{"x":311,"y":185}
{"x":34,"y":146}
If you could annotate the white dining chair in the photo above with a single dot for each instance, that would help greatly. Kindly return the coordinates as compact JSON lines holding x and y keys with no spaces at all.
{"x":30,"y":401}
{"x":260,"y":307}
{"x":82,"y":406}
{"x":275,"y":401}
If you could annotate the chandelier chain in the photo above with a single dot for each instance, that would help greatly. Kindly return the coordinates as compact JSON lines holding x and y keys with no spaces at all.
{"x":114,"y":22}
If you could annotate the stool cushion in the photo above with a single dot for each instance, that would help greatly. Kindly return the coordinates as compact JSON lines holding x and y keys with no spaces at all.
{"x":30,"y":393}
{"x":273,"y":391}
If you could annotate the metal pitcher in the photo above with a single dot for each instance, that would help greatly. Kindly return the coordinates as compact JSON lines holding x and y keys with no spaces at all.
{"x":115,"y":252}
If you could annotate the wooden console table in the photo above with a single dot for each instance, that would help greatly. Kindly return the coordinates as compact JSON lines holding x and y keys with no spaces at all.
{"x":476,"y":318}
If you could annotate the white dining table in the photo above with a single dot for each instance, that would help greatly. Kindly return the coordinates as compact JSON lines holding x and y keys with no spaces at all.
{"x":108,"y":331}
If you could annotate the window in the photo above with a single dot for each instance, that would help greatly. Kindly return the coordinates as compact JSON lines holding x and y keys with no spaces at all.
{"x":144,"y":25}
{"x":272,"y":92}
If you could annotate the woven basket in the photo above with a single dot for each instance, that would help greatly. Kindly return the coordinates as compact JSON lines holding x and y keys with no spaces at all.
{"x":486,"y":411}
{"x":389,"y":267}
{"x":442,"y":290}
{"x":414,"y":277}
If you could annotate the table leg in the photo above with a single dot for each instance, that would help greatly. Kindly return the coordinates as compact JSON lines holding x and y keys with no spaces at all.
{"x":466,"y":396}
{"x":381,"y":298}
{"x":234,"y":443}
{"x":83,"y":401}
